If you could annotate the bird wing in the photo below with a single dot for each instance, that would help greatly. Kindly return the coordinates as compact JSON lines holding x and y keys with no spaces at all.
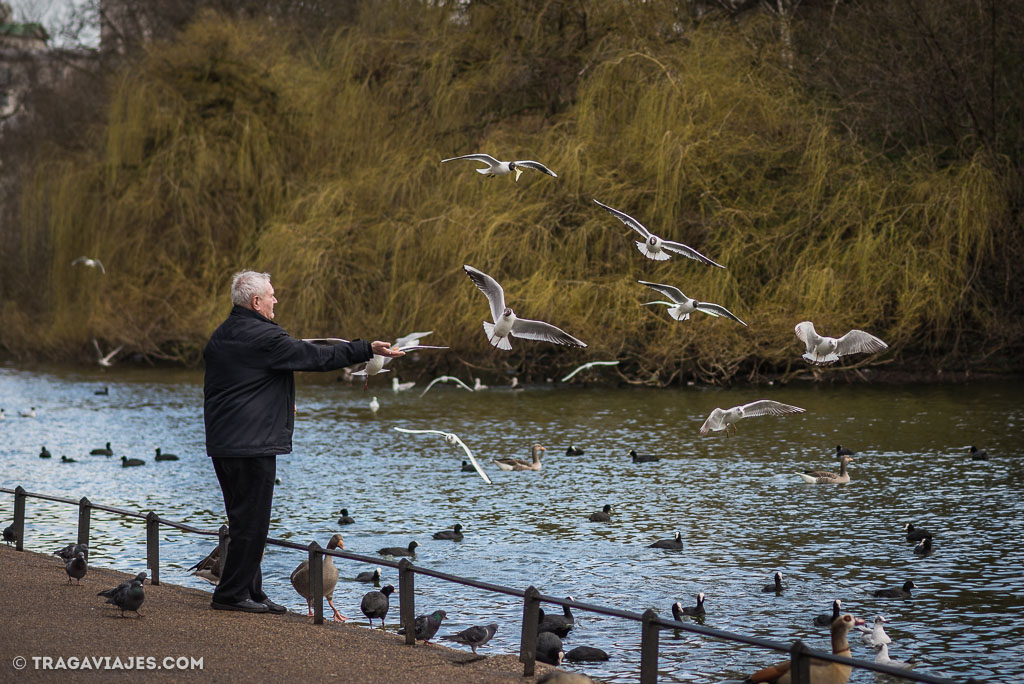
{"x":111,"y":354}
{"x":411,"y":338}
{"x":588,"y":365}
{"x":417,"y":347}
{"x":536,"y":166}
{"x":717,"y":310}
{"x":451,"y":437}
{"x":673,"y":293}
{"x":324,"y":341}
{"x":767,"y":407}
{"x":100,"y":264}
{"x":99,"y":354}
{"x":714,"y":422}
{"x":857,"y":341}
{"x":544,"y":332}
{"x":627,"y":219}
{"x":687,"y":251}
{"x":79,"y":260}
{"x":806,"y":333}
{"x":446,"y":378}
{"x":490,"y":287}
{"x":480,"y":157}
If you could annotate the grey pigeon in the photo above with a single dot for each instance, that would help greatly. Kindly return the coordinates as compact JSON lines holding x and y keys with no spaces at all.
{"x":76,"y":567}
{"x":427,"y":625}
{"x":129,"y":598}
{"x":549,"y":649}
{"x":9,"y":536}
{"x":375,"y":604}
{"x":582,"y":654}
{"x":141,"y":577}
{"x":71,"y":550}
{"x":474,"y":636}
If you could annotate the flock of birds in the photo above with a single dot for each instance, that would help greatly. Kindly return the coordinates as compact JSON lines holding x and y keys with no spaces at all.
{"x":505,"y":324}
{"x":107,"y":451}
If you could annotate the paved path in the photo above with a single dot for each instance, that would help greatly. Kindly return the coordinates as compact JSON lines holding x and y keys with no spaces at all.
{"x":42,"y":616}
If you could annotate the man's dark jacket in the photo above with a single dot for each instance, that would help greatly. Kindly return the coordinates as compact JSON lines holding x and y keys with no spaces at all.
{"x":249,"y":392}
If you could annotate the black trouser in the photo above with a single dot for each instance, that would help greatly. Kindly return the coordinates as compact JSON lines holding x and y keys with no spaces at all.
{"x":248,"y":487}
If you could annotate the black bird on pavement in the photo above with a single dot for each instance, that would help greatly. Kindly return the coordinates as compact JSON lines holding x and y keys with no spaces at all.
{"x":427,"y":625}
{"x":375,"y":604}
{"x":76,"y":567}
{"x":9,"y":536}
{"x":475,"y":636}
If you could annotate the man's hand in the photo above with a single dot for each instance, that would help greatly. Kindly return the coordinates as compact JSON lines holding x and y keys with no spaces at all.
{"x":384,"y":349}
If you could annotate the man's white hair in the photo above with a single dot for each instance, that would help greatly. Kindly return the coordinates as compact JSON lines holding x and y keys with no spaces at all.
{"x":248,"y":284}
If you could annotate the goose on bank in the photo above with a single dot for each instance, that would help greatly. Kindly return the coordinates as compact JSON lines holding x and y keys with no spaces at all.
{"x":300,"y":578}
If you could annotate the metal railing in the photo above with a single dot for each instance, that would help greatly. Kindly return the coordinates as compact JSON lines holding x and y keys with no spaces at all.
{"x":650,"y":622}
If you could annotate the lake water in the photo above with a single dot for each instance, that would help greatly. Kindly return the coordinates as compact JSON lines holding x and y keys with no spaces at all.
{"x":742,"y":510}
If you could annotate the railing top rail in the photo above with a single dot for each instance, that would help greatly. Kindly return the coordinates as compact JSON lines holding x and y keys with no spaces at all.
{"x":509,"y":591}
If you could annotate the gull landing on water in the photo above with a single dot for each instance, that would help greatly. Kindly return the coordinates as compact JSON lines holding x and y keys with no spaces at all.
{"x":653,"y":247}
{"x":682,"y":306}
{"x":723,"y":419}
{"x":91,"y":263}
{"x":822,"y":351}
{"x":506,"y":322}
{"x":105,"y":361}
{"x":589,"y":365}
{"x":503,"y":168}
{"x":446,"y":378}
{"x":454,"y":440}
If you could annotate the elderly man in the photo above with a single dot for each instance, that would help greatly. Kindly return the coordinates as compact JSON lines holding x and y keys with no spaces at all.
{"x":249,"y":409}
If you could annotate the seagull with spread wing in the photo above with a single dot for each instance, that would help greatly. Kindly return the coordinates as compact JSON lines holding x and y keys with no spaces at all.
{"x":91,"y":263}
{"x":682,"y":306}
{"x":446,"y":378}
{"x":589,"y":365}
{"x":377,"y":363}
{"x":105,"y":361}
{"x":506,"y":322}
{"x":452,"y":439}
{"x":723,"y":419}
{"x":653,"y":247}
{"x":503,"y":168}
{"x":822,"y":351}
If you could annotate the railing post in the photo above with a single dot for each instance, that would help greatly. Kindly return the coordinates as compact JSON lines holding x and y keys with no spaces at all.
{"x":316,"y":582}
{"x":407,"y":600}
{"x":800,"y":664}
{"x":223,"y":537}
{"x":84,"y":516}
{"x":649,"y":648}
{"x":19,"y":517}
{"x":153,"y":547}
{"x":528,"y":643}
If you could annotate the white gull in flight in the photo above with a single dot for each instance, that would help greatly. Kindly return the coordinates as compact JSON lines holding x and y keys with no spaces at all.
{"x":653,"y":247}
{"x":503,"y":168}
{"x":822,"y":351}
{"x":454,"y":440}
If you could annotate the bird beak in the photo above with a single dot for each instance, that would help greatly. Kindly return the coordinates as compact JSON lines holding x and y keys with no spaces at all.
{"x":519,"y":172}
{"x":859,"y":621}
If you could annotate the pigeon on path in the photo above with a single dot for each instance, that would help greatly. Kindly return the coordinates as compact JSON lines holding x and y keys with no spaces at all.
{"x":76,"y":567}
{"x":129,"y":598}
{"x":427,"y":625}
{"x":71,"y":550}
{"x":475,"y":636}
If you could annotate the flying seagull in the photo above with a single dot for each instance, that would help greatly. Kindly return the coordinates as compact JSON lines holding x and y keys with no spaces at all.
{"x":446,"y":378}
{"x":653,"y":247}
{"x":822,"y":351}
{"x":723,"y":419}
{"x":588,"y":365}
{"x":91,"y":263}
{"x":507,"y":323}
{"x":503,"y":168}
{"x":682,"y":306}
{"x":105,"y":361}
{"x":452,"y":439}
{"x":377,"y":363}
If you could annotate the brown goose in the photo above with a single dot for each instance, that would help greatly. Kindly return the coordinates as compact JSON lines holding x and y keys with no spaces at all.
{"x":822,"y":672}
{"x":520,"y":464}
{"x":827,"y":476}
{"x":300,"y":578}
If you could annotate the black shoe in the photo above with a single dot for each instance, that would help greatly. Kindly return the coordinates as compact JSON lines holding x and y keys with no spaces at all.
{"x":246,"y":606}
{"x":273,"y":607}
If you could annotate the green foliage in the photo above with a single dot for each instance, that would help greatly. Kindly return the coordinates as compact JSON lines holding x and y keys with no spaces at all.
{"x":235,"y":148}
